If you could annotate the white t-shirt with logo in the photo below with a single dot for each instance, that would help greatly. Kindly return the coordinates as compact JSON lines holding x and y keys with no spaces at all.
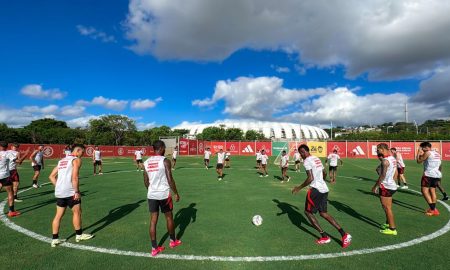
{"x":333,"y":159}
{"x":388,"y":181}
{"x":158,"y":188}
{"x":285,"y":161}
{"x":138,"y":154}
{"x":227,"y":155}
{"x":38,"y":157}
{"x":207,"y":154}
{"x":264,"y":159}
{"x":64,"y":187}
{"x":314,"y":165}
{"x":400,"y":162}
{"x":12,"y":162}
{"x":297,"y":156}
{"x":5,"y":159}
{"x":431,"y":165}
{"x":258,"y":156}
{"x":175,"y":154}
{"x":97,"y":155}
{"x":220,"y":157}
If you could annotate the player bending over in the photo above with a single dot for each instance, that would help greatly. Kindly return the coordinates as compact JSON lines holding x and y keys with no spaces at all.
{"x":17,"y":159}
{"x":333,"y":160}
{"x":138,"y":159}
{"x":206,"y":157}
{"x":227,"y":159}
{"x":97,"y":161}
{"x":284,"y":165}
{"x":65,"y":178}
{"x":297,"y":160}
{"x":37,"y":162}
{"x":174,"y":157}
{"x":219,"y":166}
{"x":386,"y":186}
{"x":159,"y":181}
{"x":317,"y":197}
{"x":400,"y":169}
{"x":5,"y":179}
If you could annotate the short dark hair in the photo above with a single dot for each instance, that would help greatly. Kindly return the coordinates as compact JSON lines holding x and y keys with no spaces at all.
{"x":334,"y":151}
{"x":394,"y":149}
{"x":75,"y":145}
{"x":158,"y":144}
{"x":284,"y":151}
{"x":383,"y":146}
{"x":303,"y":146}
{"x":3,"y":144}
{"x":425,"y":144}
{"x":16,"y":144}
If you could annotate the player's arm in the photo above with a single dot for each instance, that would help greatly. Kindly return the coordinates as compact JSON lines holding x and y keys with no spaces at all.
{"x":421,"y":156}
{"x":93,"y":155}
{"x":42,"y":161}
{"x":76,"y":164}
{"x":309,"y":179}
{"x":173,"y":186}
{"x":53,"y":175}
{"x":146,"y":180}
{"x":341,"y":162}
{"x":21,"y":158}
{"x":33,"y":155}
{"x":384,"y":168}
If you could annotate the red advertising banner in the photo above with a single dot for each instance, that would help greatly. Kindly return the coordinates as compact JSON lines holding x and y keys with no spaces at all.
{"x":372,"y":150}
{"x":446,"y":150}
{"x":247,"y":148}
{"x":233,"y":148}
{"x":266,"y":146}
{"x":201,"y":147}
{"x":405,"y":148}
{"x":357,"y":149}
{"x":339,"y":146}
{"x":183,"y":147}
{"x":216,"y":146}
{"x":193,"y":147}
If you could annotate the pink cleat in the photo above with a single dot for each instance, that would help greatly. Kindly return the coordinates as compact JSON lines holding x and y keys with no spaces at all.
{"x":175,"y":243}
{"x":156,"y":251}
{"x":346,"y":240}
{"x":323,"y":240}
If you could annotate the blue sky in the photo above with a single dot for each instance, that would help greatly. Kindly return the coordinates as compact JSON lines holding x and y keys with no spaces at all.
{"x":90,"y":49}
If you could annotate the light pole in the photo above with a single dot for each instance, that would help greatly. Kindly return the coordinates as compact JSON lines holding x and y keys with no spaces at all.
{"x":387,"y":129}
{"x":331,"y":130}
{"x":417,"y":128}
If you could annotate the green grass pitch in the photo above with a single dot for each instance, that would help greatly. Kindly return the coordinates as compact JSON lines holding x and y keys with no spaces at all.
{"x":214,"y":219}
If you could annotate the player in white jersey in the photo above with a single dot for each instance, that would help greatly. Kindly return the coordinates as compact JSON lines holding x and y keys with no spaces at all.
{"x":37,"y":162}
{"x":284,"y":165}
{"x":227,"y":159}
{"x":65,"y":178}
{"x":432,"y":174}
{"x":220,"y":161}
{"x":97,"y":160}
{"x":333,"y":159}
{"x":297,"y":160}
{"x":206,"y":157}
{"x":264,"y":162}
{"x":401,"y":180}
{"x":174,"y":157}
{"x":317,"y":197}
{"x":386,"y":187}
{"x":67,"y":150}
{"x":159,"y":181}
{"x":5,"y":180}
{"x":258,"y":159}
{"x":13,"y":173}
{"x":138,"y":159}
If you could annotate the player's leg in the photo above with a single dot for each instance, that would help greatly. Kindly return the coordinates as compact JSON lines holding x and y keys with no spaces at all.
{"x":95,"y":167}
{"x":442,"y":190}
{"x":56,"y":224}
{"x":386,"y":203}
{"x":100,"y":167}
{"x":9,"y":190}
{"x":77,"y":221}
{"x":36,"y":173}
{"x":16,"y":182}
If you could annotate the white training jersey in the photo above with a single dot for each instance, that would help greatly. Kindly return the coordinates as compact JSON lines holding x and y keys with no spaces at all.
{"x":138,"y":154}
{"x":333,"y":159}
{"x":285,"y":161}
{"x":314,"y":165}
{"x":175,"y":154}
{"x":227,"y":155}
{"x":297,"y":157}
{"x":97,"y":155}
{"x":14,"y":155}
{"x":5,"y":158}
{"x":220,"y":157}
{"x":38,"y":158}
{"x":258,"y":156}
{"x":431,"y":165}
{"x":158,"y":188}
{"x":64,"y":187}
{"x":67,"y":153}
{"x":400,"y":162}
{"x":264,"y":159}
{"x":388,"y":181}
{"x":207,"y":154}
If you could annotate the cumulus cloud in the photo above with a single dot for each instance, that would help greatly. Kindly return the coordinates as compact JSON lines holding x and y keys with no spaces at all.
{"x":144,"y":126}
{"x":385,"y":39}
{"x":50,"y":109}
{"x":143,"y":104}
{"x":435,"y":90}
{"x":279,"y":69}
{"x":81,"y":122}
{"x":37,"y":91}
{"x":109,"y":103}
{"x":95,"y":34}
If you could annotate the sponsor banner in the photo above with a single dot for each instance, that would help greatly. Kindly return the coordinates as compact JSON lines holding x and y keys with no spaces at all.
{"x":357,"y":149}
{"x":193,"y":147}
{"x":267,"y":146}
{"x":338,"y":146}
{"x":278,"y":147}
{"x":446,"y":150}
{"x":372,"y":150}
{"x":201,"y":147}
{"x":247,"y":148}
{"x":183,"y":147}
{"x":216,"y":146}
{"x":318,"y":149}
{"x":233,"y":148}
{"x":406,"y":149}
{"x":436,"y":146}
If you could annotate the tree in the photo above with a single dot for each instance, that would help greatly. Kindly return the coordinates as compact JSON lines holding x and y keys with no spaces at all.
{"x":234,"y":134}
{"x":41,"y":130}
{"x":253,"y":135}
{"x":111,"y":127}
{"x":212,"y":133}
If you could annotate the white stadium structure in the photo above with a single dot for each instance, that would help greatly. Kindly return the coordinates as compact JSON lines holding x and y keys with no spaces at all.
{"x":273,"y":130}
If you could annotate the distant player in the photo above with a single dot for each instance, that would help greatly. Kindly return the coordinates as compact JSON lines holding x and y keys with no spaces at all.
{"x":297,"y":160}
{"x":333,"y":160}
{"x":258,"y":160}
{"x":97,"y":160}
{"x":174,"y":157}
{"x":432,"y":174}
{"x":159,"y":181}
{"x":67,"y":151}
{"x":138,"y":159}
{"x":37,"y":162}
{"x":219,"y":166}
{"x":206,"y":157}
{"x":17,"y":159}
{"x":317,"y":197}
{"x":400,"y":168}
{"x":227,"y":159}
{"x":284,"y":165}
{"x":65,"y":178}
{"x":386,"y":187}
{"x":264,"y":162}
{"x":5,"y":180}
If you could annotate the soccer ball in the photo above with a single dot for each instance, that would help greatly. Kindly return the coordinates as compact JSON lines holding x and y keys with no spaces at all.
{"x":257,"y":220}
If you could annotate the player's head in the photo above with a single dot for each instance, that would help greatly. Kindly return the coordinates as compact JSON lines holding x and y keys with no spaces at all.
{"x":383,"y":149}
{"x":159,"y":147}
{"x":426,"y":146}
{"x":96,"y":147}
{"x":303,"y":150}
{"x":393,"y":150}
{"x":3,"y":145}
{"x":220,"y":150}
{"x":77,"y":149}
{"x":15,"y":146}
{"x":176,"y":148}
{"x":283,"y":153}
{"x":68,"y":146}
{"x":335,"y":151}
{"x":41,"y":147}
{"x":380,"y":156}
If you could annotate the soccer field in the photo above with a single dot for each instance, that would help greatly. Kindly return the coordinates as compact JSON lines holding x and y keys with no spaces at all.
{"x":214,"y":222}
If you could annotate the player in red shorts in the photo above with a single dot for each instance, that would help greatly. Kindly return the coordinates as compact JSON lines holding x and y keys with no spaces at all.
{"x":14,"y":174}
{"x":5,"y":180}
{"x":400,"y":168}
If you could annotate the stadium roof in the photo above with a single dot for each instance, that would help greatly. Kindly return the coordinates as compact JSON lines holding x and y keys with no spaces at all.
{"x":273,"y":130}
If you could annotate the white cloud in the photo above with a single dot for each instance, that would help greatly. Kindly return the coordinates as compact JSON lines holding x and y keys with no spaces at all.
{"x":387,"y":39}
{"x":50,"y":109}
{"x":81,"y":122}
{"x":72,"y":110}
{"x":36,"y":91}
{"x":435,"y":90}
{"x":143,"y":104}
{"x":109,"y":103}
{"x":257,"y":98}
{"x":144,"y":126}
{"x":95,"y":34}
{"x":279,"y":69}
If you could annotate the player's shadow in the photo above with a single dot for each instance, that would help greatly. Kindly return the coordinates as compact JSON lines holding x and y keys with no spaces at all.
{"x":365,"y":178}
{"x":279,"y":178}
{"x":30,"y":208}
{"x":294,"y":216}
{"x":352,"y":212}
{"x":396,"y":202}
{"x":182,"y":220}
{"x":43,"y":193}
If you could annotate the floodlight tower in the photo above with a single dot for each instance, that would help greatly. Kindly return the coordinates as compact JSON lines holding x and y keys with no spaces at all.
{"x":406,"y":112}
